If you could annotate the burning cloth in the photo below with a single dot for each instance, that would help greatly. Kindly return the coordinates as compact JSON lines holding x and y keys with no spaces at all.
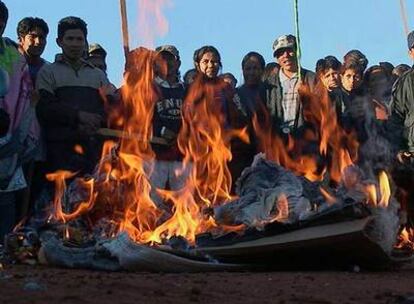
{"x":267,"y":192}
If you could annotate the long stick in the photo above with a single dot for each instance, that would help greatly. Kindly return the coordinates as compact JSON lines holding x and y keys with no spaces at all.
{"x":125,"y":135}
{"x":297,"y":34}
{"x":124,"y":24}
{"x":403,"y":10}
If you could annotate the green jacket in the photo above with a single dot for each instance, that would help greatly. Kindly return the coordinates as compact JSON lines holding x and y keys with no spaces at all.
{"x":401,"y":123}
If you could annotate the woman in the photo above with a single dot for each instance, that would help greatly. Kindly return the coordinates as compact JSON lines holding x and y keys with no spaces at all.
{"x":208,"y":85}
{"x":209,"y":118}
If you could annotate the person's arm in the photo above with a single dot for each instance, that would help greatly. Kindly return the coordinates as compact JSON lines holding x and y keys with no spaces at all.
{"x":395,"y":125}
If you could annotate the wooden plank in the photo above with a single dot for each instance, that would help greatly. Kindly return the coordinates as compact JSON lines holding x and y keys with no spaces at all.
{"x":341,"y":243}
{"x":125,"y":135}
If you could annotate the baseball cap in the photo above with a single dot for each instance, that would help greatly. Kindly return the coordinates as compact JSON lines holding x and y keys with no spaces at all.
{"x":169,"y":49}
{"x":95,"y":48}
{"x":285,"y":41}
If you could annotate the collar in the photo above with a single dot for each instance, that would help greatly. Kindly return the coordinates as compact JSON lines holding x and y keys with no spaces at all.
{"x":283,"y":77}
{"x":165,"y":84}
{"x":61,"y":59}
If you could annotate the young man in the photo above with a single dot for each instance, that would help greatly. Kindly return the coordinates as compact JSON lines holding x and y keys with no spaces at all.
{"x":19,"y":130}
{"x":282,"y":92}
{"x":401,"y":124}
{"x":32,"y":34}
{"x":70,"y":108}
{"x":167,"y":122}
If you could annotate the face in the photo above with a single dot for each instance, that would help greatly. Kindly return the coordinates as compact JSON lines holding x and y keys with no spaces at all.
{"x":231,"y":81}
{"x":252,"y":71}
{"x":209,"y":65}
{"x":411,"y":53}
{"x":330,"y":79}
{"x":167,"y":65}
{"x":351,"y":80}
{"x":286,"y":57}
{"x":73,"y":44}
{"x":33,"y":44}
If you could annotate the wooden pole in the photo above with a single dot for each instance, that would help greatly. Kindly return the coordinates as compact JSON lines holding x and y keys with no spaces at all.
{"x":124,"y":25}
{"x":403,"y":10}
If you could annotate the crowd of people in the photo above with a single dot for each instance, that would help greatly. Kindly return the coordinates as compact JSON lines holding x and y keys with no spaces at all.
{"x":50,"y":113}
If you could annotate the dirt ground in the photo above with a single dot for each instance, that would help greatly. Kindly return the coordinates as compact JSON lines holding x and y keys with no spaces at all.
{"x":39,"y":284}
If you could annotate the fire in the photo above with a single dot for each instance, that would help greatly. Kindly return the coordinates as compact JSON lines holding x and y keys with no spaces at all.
{"x":282,"y":205}
{"x":151,"y":20}
{"x":121,"y":191}
{"x":206,"y":143}
{"x":78,"y":149}
{"x":379,"y":195}
{"x":385,"y":190}
{"x":337,"y":149}
{"x":406,"y":239}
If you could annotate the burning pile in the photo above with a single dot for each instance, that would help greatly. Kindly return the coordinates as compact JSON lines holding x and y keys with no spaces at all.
{"x":115,"y":204}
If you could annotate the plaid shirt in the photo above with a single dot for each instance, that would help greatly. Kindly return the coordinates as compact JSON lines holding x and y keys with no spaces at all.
{"x":290,"y":98}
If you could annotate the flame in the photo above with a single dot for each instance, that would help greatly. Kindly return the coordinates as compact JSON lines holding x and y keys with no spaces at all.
{"x":282,"y":206}
{"x":405,"y":239}
{"x":151,"y":20}
{"x":337,"y":149}
{"x":379,"y":196}
{"x":371,"y":191}
{"x":78,"y":149}
{"x":121,"y":191}
{"x":385,"y":190}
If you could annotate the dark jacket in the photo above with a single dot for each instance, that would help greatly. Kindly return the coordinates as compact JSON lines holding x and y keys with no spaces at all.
{"x":64,"y":92}
{"x":400,"y":126}
{"x":274,"y":98}
{"x":167,"y":116}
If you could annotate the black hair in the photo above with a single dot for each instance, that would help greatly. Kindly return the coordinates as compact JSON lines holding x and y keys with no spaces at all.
{"x":188,"y":73}
{"x":28,"y":24}
{"x":368,"y":73}
{"x":4,"y":12}
{"x":400,"y":69}
{"x":329,"y":62}
{"x":358,"y":57}
{"x":257,"y":56}
{"x":198,"y":54}
{"x":71,"y":23}
{"x":352,"y":65}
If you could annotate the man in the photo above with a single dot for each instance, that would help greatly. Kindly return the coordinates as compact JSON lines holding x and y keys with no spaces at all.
{"x":283,"y":100}
{"x":97,"y":56}
{"x":70,"y":108}
{"x":167,"y":122}
{"x":19,"y":130}
{"x":32,"y":34}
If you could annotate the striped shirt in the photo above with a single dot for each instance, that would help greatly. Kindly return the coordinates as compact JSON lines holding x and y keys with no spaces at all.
{"x":290,"y":98}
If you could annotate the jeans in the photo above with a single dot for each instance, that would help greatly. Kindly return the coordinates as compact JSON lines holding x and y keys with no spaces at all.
{"x":167,"y":173}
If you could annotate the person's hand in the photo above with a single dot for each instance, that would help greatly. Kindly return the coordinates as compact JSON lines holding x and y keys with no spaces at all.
{"x":108,"y":90}
{"x":404,"y":157}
